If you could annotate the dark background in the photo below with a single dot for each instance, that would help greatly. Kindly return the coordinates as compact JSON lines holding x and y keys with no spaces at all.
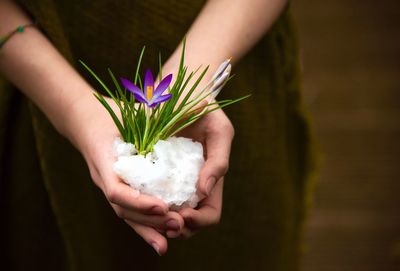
{"x":351,"y":56}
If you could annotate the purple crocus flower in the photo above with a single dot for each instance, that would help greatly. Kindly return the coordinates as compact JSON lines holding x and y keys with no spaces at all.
{"x":150,"y":95}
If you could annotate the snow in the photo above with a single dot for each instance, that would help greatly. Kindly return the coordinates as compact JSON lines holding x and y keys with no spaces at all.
{"x":169,"y":173}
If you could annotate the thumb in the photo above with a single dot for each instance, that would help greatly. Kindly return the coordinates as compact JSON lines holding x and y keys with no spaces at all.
{"x":213,"y":170}
{"x":218,"y":146}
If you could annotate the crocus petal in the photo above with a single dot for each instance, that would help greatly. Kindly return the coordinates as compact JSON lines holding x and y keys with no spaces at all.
{"x":219,"y":83}
{"x":130,"y":86}
{"x":134,"y":90}
{"x":224,"y":65}
{"x":162,"y":86}
{"x":148,"y":81}
{"x":160,"y":99}
{"x":221,"y":79}
{"x":140,"y":98}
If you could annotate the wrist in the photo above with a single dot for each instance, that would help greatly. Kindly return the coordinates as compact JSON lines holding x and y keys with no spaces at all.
{"x":88,"y":125}
{"x":77,"y":114}
{"x":172,"y":66}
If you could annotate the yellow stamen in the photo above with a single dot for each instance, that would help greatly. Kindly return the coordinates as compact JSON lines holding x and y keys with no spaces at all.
{"x":149,"y":92}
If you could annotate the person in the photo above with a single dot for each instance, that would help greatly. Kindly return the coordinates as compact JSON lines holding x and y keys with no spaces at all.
{"x":57,"y":219}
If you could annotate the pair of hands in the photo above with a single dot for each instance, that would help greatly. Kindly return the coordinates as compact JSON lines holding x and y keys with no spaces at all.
{"x":150,"y":217}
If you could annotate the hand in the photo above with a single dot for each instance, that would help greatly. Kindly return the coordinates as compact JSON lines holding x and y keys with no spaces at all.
{"x":207,"y":213}
{"x":93,"y":132}
{"x":215,"y":132}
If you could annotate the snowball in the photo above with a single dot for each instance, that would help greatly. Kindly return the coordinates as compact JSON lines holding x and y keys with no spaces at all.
{"x":169,"y":173}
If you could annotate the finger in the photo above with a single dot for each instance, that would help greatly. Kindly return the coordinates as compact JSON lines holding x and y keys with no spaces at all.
{"x":125,"y":196}
{"x":151,"y":236}
{"x":186,"y":233}
{"x":209,"y":211}
{"x":206,"y":216}
{"x":171,"y":221}
{"x":173,"y":234}
{"x":218,"y":147}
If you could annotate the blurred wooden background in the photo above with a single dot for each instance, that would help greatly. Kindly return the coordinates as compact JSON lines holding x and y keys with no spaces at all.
{"x":351,"y":56}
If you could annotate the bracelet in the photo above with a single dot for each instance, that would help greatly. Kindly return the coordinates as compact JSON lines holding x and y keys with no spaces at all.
{"x":19,"y":29}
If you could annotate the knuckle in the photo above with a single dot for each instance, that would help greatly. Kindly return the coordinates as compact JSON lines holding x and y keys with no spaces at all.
{"x":214,"y":215}
{"x":223,"y":166}
{"x":112,"y":195}
{"x":215,"y":220}
{"x":96,"y":176}
{"x":120,"y":212}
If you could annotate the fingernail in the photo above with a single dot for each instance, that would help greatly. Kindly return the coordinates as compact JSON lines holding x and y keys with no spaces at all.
{"x":158,"y":210}
{"x":156,"y":248}
{"x":210,"y":185}
{"x":172,"y":224}
{"x":173,"y":234}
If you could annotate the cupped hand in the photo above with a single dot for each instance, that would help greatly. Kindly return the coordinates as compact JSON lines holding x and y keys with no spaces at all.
{"x":92,"y":131}
{"x":215,"y":132}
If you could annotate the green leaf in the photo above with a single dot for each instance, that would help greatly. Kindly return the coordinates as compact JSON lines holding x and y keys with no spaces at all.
{"x":143,"y":126}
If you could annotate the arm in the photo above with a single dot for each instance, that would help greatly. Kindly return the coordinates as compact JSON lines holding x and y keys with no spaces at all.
{"x":223,"y":29}
{"x":31,"y":62}
{"x":227,"y":28}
